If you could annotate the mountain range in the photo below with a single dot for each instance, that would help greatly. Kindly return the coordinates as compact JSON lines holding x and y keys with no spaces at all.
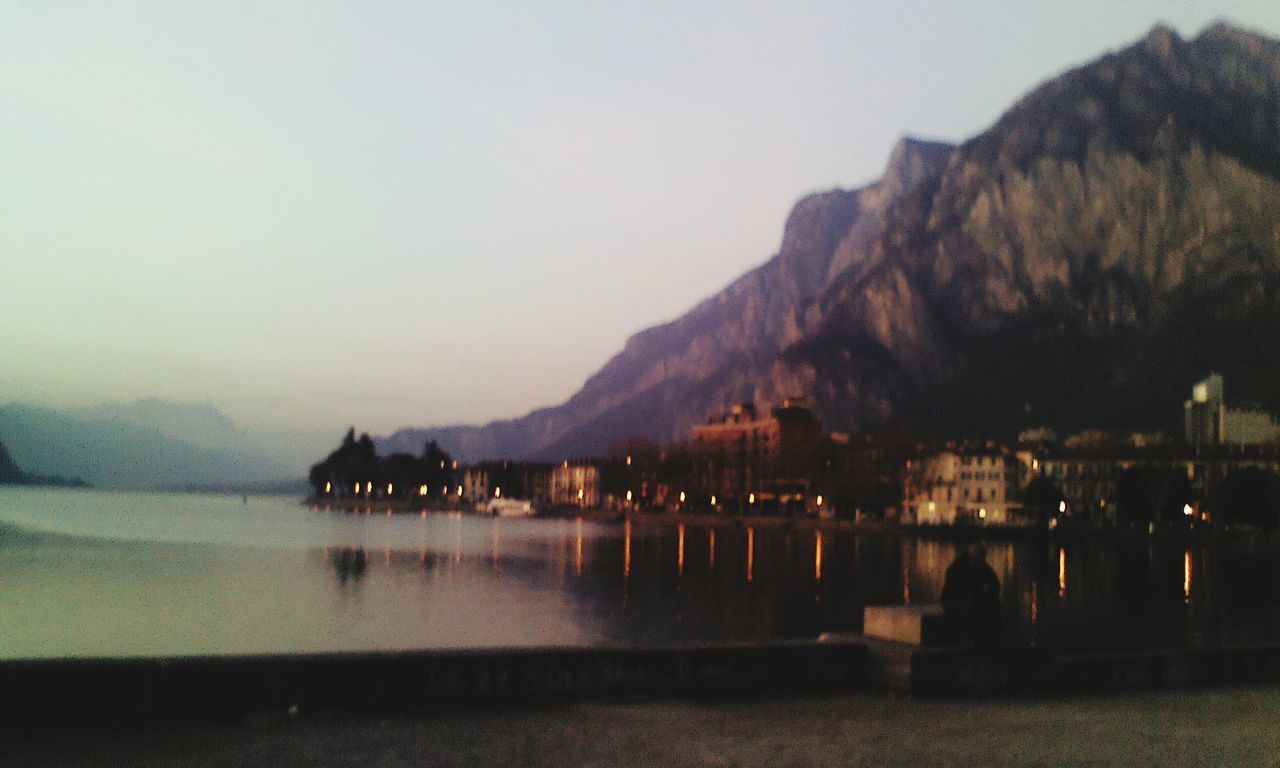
{"x":153,"y":444}
{"x":1111,"y":238}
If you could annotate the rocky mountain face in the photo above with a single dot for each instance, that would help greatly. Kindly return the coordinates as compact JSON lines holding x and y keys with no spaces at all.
{"x":1115,"y":235}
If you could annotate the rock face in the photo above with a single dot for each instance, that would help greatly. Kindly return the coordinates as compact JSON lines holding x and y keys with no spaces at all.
{"x":1112,"y":237}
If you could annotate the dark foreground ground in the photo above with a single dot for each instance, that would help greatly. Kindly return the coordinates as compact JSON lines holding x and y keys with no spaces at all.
{"x":1200,"y":727}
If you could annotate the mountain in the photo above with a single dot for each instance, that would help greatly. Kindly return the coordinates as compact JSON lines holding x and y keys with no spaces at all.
{"x":669,"y":377}
{"x":9,"y":471}
{"x":192,"y":422}
{"x":146,"y":445}
{"x":1112,"y":237}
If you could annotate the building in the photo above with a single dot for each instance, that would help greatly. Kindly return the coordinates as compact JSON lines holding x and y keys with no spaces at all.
{"x":575,"y":484}
{"x":1209,"y":422}
{"x":961,"y":485}
{"x":507,"y":479}
{"x":740,"y":456}
{"x":1088,"y":480}
{"x":1206,"y":413}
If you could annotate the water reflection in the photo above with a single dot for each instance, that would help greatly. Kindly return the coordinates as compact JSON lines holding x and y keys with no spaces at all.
{"x":817,"y":556}
{"x":462,"y":580}
{"x":350,"y":563}
{"x":680,"y":552}
{"x":1062,"y":572}
{"x":1186,"y":578}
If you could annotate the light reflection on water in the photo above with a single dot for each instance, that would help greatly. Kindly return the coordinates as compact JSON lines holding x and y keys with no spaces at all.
{"x":93,"y":573}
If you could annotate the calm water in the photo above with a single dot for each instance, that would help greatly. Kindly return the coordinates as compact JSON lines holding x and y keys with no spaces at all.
{"x":91,"y":573}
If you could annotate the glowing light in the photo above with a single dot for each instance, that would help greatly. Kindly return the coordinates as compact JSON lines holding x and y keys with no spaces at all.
{"x":1062,"y":506}
{"x":933,"y":506}
{"x":579,"y":548}
{"x":713,"y":499}
{"x":1186,"y":578}
{"x":680,"y":551}
{"x":422,"y":490}
{"x":1062,"y":572}
{"x":628,"y":495}
{"x":751,"y":499}
{"x":982,"y":513}
{"x":368,"y":487}
{"x":626,"y":551}
{"x":751,"y":554}
{"x":817,"y":556}
{"x":1187,"y":510}
{"x":906,"y":580}
{"x":459,"y":490}
{"x":1035,"y":599}
{"x":682,"y":497}
{"x":328,"y":487}
{"x":497,"y":492}
{"x":580,"y":494}
{"x":628,"y":461}
{"x":819,"y":501}
{"x":388,"y":489}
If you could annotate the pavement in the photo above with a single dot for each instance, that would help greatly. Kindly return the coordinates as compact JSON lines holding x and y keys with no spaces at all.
{"x":1229,"y":726}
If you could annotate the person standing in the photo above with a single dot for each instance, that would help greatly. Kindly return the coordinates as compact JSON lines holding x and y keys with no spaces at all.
{"x":971,"y":596}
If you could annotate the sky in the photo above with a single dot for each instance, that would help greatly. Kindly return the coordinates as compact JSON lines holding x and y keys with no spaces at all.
{"x":314,"y":214}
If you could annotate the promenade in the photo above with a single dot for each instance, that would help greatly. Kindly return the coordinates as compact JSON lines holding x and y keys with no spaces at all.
{"x":1233,"y":726}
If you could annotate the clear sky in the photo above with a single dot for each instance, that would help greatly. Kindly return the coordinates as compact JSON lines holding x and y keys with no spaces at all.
{"x":410,"y":213}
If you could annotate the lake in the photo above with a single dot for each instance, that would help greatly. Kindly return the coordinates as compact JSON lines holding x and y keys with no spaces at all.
{"x":97,"y":573}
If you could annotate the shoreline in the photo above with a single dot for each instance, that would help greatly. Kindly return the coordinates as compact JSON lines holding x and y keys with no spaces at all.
{"x":667,"y":518}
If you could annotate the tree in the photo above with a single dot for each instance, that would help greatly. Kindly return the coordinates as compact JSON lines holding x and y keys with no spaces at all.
{"x":1041,"y":498}
{"x":1153,"y":495}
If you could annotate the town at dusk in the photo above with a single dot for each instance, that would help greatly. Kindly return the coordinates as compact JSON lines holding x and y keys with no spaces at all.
{"x":834,"y":384}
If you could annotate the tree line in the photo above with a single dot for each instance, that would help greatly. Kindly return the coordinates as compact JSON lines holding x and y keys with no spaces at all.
{"x":354,"y":470}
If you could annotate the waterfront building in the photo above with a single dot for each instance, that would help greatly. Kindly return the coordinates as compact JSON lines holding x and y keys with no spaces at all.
{"x":1089,"y":480}
{"x":530,"y":481}
{"x":967,"y":486}
{"x":1209,"y":422}
{"x":740,"y":456}
{"x":476,"y":487}
{"x":575,"y":484}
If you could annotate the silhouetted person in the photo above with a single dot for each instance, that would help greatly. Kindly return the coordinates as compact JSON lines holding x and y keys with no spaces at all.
{"x":971,"y":596}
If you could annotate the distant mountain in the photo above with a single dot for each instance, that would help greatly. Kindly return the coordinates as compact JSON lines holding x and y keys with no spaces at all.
{"x":192,"y":422}
{"x":9,"y":471}
{"x":1112,"y":237}
{"x":146,"y":445}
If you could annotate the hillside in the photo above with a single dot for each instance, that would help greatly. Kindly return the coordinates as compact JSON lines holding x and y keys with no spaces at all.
{"x":1112,"y":237}
{"x":108,"y":448}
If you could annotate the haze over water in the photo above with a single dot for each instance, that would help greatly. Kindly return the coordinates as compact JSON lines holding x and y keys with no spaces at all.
{"x":91,"y":573}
